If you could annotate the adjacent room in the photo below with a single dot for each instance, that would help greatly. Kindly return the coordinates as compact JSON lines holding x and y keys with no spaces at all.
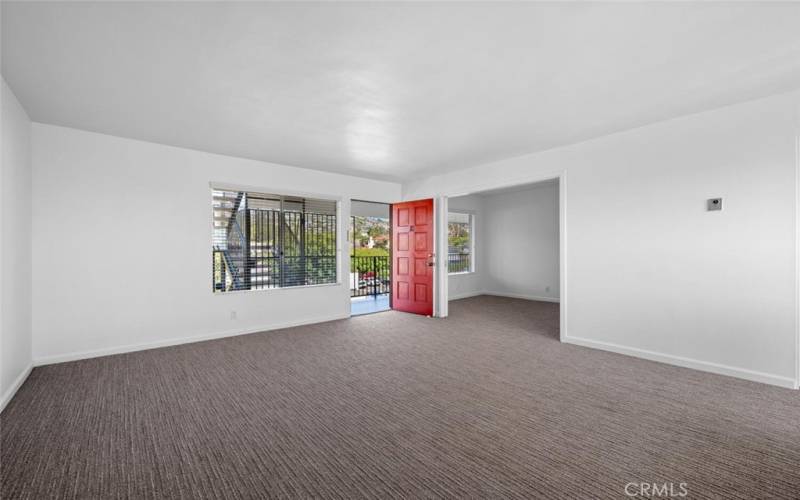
{"x":399,"y":250}
{"x":505,"y":242}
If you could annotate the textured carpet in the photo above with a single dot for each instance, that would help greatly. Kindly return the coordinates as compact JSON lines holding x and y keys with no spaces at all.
{"x":486,"y":403}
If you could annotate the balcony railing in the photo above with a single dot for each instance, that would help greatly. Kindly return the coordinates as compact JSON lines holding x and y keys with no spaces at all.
{"x":369,"y":275}
{"x":372,"y":275}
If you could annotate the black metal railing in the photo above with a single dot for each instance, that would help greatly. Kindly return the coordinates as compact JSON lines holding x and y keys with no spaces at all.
{"x":369,"y":275}
{"x":268,"y":271}
{"x":458,"y":262}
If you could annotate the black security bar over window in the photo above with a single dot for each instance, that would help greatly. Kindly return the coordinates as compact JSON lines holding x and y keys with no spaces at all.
{"x":458,"y":263}
{"x":265,"y":241}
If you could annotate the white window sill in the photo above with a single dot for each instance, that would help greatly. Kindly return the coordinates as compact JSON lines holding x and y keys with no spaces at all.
{"x":276,"y":289}
{"x":461,"y":273}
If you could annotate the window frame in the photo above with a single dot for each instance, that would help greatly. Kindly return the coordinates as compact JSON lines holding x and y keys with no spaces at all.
{"x":222,"y":186}
{"x":472,"y":263}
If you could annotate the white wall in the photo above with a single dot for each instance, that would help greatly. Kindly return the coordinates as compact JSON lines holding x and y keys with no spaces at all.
{"x":649,"y":271}
{"x":122,"y":234}
{"x":521,"y":241}
{"x":15,"y":246}
{"x":468,"y":284}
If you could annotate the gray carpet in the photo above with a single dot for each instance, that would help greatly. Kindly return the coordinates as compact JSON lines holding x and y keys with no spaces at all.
{"x":486,"y":403}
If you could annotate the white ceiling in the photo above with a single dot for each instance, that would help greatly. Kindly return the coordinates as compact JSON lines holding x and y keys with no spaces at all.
{"x":389,"y":90}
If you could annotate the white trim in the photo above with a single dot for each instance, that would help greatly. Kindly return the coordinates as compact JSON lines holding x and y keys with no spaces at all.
{"x":440,"y":276}
{"x":524,"y":296}
{"x":466,"y":295}
{"x":341,"y":245}
{"x":705,"y":366}
{"x":272,"y":290}
{"x":797,"y":251}
{"x":15,"y":386}
{"x":562,"y":254}
{"x":73,"y":356}
{"x":345,"y":210}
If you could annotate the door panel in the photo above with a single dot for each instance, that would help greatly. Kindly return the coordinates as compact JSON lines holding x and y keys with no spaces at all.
{"x":412,"y":251}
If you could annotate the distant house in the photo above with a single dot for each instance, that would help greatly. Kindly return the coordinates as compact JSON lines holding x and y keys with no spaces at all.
{"x":380,"y":241}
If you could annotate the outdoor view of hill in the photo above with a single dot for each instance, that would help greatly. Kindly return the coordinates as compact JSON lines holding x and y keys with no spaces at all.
{"x":370,"y":236}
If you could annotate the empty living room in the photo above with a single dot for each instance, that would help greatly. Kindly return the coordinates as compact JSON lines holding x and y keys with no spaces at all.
{"x":399,"y":250}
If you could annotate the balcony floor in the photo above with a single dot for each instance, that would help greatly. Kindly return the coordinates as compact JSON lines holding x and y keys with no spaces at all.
{"x":369,"y":304}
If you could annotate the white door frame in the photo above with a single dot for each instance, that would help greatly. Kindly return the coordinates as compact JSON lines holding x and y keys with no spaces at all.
{"x":440,"y":303}
{"x":346,"y":211}
{"x":797,"y":250}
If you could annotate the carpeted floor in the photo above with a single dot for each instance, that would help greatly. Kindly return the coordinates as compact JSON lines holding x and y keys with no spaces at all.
{"x":486,"y":403}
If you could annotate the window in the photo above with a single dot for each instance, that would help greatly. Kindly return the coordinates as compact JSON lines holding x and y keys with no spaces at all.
{"x":459,"y":243}
{"x":263,"y":241}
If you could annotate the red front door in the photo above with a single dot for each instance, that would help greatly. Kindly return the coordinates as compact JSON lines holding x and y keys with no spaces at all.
{"x":412,"y":255}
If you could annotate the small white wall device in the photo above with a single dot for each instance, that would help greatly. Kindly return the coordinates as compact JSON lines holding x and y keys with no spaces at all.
{"x":714,"y":204}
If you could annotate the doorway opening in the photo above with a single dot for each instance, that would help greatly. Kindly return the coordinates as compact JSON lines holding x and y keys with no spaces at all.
{"x":370,"y":239}
{"x":507,"y":242}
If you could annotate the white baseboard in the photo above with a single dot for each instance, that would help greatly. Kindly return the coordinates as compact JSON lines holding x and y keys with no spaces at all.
{"x":74,"y":356}
{"x":522,"y":296}
{"x":705,"y":366}
{"x":15,"y":386}
{"x":466,"y":295}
